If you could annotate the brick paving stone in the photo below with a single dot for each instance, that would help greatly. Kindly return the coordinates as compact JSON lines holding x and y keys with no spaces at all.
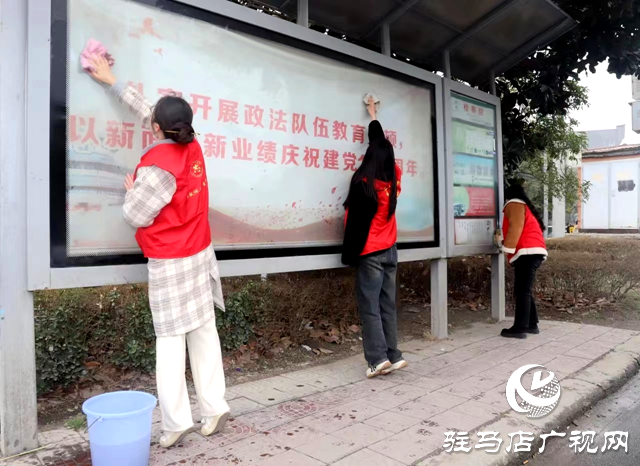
{"x":442,"y":400}
{"x":362,"y":434}
{"x":456,"y":421}
{"x":254,"y":450}
{"x":329,"y":413}
{"x":413,"y":357}
{"x":589,"y":350}
{"x":328,"y":448}
{"x":431,"y":384}
{"x":392,"y":422}
{"x":234,"y":431}
{"x":471,"y":387}
{"x":566,"y":365}
{"x":411,"y":445}
{"x":367,"y":457}
{"x":477,"y":409}
{"x":295,"y":409}
{"x":190,"y":446}
{"x":63,"y":445}
{"x":392,"y":397}
{"x":292,"y":458}
{"x":264,"y":419}
{"x":403,"y":377}
{"x":321,"y":381}
{"x":496,"y":397}
{"x":241,"y":405}
{"x":428,"y":366}
{"x":334,"y":419}
{"x":293,"y":435}
{"x":418,"y":410}
{"x":26,"y":460}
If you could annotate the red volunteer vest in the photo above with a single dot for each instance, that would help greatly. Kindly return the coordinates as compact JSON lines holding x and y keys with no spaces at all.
{"x":531,"y":240}
{"x":182,"y":227}
{"x":383,"y":232}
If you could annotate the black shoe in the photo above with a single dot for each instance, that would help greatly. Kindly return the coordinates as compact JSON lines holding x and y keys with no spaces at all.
{"x":513,"y":333}
{"x":533,"y":330}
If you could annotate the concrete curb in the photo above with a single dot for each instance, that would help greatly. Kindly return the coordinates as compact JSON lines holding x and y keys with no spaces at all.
{"x":583,"y":389}
{"x":580,"y":391}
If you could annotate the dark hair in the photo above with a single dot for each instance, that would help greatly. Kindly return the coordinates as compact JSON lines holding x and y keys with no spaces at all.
{"x":379,"y":163}
{"x":375,"y":131}
{"x":174,"y":116}
{"x":516,"y":191}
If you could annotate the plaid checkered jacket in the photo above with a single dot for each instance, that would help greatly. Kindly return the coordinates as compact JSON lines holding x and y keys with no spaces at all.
{"x":183,"y":293}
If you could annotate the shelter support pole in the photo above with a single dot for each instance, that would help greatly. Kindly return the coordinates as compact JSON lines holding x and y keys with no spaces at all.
{"x":498,"y":287}
{"x":498,"y":268}
{"x":447,"y":64}
{"x":492,"y":83}
{"x":303,"y":13}
{"x":18,"y":411}
{"x":386,"y":39}
{"x":545,"y":197}
{"x":439,"y":304}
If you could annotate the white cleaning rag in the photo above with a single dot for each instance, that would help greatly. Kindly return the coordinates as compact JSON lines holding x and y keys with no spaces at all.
{"x":375,"y":99}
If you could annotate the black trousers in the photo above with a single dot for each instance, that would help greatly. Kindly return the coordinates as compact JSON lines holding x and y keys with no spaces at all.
{"x":525,"y":274}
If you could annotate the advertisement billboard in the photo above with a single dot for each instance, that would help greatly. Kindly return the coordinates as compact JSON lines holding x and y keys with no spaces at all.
{"x":282,"y":130}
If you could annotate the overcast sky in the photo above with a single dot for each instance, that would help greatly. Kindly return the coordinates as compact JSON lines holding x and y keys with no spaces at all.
{"x":609,"y":99}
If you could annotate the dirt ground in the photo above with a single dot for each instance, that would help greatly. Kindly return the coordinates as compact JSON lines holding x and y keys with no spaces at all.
{"x":55,"y":409}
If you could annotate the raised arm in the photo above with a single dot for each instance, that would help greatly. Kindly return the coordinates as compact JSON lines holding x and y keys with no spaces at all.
{"x":371,"y":108}
{"x":127,"y":95}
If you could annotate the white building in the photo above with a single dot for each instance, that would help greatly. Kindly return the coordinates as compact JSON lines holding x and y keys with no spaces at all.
{"x":613,"y":205}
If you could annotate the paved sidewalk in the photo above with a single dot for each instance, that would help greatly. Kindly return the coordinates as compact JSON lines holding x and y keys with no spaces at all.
{"x":332,"y":415}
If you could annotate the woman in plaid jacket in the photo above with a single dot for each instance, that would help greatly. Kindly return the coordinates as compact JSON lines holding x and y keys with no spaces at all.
{"x":167,"y":201}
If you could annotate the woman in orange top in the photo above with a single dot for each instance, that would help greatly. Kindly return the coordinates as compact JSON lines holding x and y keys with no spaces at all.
{"x":370,"y":246}
{"x":526,"y":250}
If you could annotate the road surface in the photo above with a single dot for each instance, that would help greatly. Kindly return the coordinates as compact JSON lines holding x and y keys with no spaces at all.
{"x":619,"y":412}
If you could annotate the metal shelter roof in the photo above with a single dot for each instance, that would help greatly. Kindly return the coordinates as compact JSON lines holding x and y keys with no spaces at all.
{"x":480,"y":35}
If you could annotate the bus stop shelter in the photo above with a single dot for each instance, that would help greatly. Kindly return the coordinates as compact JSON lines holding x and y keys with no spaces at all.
{"x":454,"y":43}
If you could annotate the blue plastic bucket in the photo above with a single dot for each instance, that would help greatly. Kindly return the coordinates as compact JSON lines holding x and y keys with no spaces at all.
{"x":120,"y":428}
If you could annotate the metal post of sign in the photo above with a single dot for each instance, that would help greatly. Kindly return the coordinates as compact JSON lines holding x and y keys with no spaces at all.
{"x":386,"y":40}
{"x":18,"y":409}
{"x":439,"y":321}
{"x":303,"y":13}
{"x":498,"y":268}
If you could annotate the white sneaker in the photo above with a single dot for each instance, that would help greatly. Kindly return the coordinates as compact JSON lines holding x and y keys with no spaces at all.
{"x":214,"y":424}
{"x":377,"y":370}
{"x":169,"y":439}
{"x":396,"y":366}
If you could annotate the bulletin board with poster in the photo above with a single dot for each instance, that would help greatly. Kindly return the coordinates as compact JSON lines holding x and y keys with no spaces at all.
{"x":279,"y":114}
{"x":474,"y":169}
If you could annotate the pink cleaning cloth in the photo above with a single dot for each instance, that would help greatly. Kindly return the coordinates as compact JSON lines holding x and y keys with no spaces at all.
{"x":94,"y":47}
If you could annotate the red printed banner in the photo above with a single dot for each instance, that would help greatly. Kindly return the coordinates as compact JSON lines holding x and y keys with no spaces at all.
{"x":474,"y":202}
{"x":279,"y":154}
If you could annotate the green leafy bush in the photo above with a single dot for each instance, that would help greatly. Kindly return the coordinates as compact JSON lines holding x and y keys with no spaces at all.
{"x":236,"y":325}
{"x":114,"y":325}
{"x":61,"y":346}
{"x":138,"y":348}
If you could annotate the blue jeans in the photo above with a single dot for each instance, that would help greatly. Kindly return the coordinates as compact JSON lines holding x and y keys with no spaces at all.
{"x":376,"y":296}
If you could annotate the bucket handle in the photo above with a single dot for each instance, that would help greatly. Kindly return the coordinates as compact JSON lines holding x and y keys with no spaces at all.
{"x":99,"y":419}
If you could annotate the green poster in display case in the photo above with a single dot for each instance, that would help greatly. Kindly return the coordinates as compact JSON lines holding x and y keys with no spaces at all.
{"x":473,"y":140}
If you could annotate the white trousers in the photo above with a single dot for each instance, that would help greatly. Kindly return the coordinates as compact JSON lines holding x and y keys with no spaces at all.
{"x":205,"y":356}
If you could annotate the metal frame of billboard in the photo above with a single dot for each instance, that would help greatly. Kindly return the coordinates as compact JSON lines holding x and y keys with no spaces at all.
{"x":450,"y":86}
{"x":42,"y":275}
